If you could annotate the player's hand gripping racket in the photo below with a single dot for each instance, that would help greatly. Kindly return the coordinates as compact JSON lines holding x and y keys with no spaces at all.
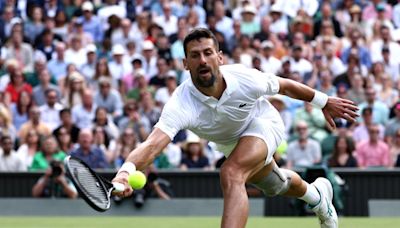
{"x":94,"y":189}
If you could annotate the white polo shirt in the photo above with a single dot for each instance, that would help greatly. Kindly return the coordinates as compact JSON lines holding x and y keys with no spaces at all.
{"x":221,"y":121}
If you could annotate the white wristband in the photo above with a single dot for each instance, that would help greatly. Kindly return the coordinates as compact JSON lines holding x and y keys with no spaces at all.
{"x":319,"y":99}
{"x":128,"y":167}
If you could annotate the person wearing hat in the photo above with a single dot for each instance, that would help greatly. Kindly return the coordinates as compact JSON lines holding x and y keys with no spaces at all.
{"x":194,"y":157}
{"x":149,"y":59}
{"x":279,"y":24}
{"x":268,"y":62}
{"x":249,"y":25}
{"x":119,"y":66}
{"x":91,"y":23}
{"x":75,"y":53}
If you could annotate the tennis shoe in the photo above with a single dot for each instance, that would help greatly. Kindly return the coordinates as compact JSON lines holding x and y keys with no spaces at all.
{"x":324,"y":209}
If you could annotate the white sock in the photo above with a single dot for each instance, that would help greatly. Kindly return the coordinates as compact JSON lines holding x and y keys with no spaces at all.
{"x":312,"y":196}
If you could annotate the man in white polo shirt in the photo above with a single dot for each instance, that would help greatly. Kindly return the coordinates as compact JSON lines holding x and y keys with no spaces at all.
{"x":225,"y":104}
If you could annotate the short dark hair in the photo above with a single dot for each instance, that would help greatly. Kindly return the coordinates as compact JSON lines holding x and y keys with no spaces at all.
{"x":5,"y":137}
{"x":197,"y":34}
{"x":367,"y":110}
{"x":64,"y":110}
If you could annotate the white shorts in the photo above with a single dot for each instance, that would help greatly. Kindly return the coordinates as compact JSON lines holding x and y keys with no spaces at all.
{"x":272,"y":131}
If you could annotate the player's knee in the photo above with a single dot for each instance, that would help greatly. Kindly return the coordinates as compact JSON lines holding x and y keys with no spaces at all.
{"x":230,"y":174}
{"x":276,"y":183}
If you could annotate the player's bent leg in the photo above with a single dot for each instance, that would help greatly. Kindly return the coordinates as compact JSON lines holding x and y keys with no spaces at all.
{"x":288,"y":183}
{"x":246,"y":159}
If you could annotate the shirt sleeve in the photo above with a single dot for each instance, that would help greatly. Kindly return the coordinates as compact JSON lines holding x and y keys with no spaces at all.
{"x":265,"y":83}
{"x":174,"y":117}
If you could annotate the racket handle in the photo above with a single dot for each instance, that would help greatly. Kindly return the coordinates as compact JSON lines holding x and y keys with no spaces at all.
{"x":118,"y":187}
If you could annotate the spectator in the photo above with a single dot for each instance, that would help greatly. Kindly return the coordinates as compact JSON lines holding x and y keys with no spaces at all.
{"x":391,"y":65}
{"x":104,"y":142}
{"x":54,"y":183}
{"x":48,"y":154}
{"x":10,"y":66}
{"x":47,"y":44}
{"x":194,"y":154}
{"x":19,"y":110}
{"x":269,"y":63}
{"x":57,"y":65}
{"x":89,"y":68}
{"x":39,"y":91}
{"x":148,"y":108}
{"x":9,"y":160}
{"x":373,"y":152}
{"x":66,"y":123}
{"x":396,"y":15}
{"x":119,"y":67}
{"x":108,"y":97}
{"x":127,"y":142}
{"x":6,"y":126}
{"x":193,"y":5}
{"x":298,"y":63}
{"x":61,"y":24}
{"x":249,"y":24}
{"x":74,"y":91}
{"x":17,"y":85}
{"x":141,"y":86}
{"x":149,"y":59}
{"x":380,"y":110}
{"x":90,"y":154}
{"x":104,"y":120}
{"x":264,"y":33}
{"x":159,"y":80}
{"x":124,"y":34}
{"x":362,"y":51}
{"x":388,"y":95}
{"x":356,"y":93}
{"x":304,"y":151}
{"x":64,"y":140}
{"x":101,"y":70}
{"x":393,"y":125}
{"x":372,"y":9}
{"x":28,"y":150}
{"x":342,"y":155}
{"x":83,"y":114}
{"x":163,"y":94}
{"x":139,"y":123}
{"x":395,"y":149}
{"x":279,"y":22}
{"x":360,"y":133}
{"x":75,"y":54}
{"x":385,"y":41}
{"x":315,"y":121}
{"x":223,"y":23}
{"x":34,"y":123}
{"x":327,"y":15}
{"x":91,"y":23}
{"x":18,"y":49}
{"x":49,"y":112}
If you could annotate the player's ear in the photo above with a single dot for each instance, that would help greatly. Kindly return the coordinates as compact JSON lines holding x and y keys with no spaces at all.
{"x":185,"y":64}
{"x":220,"y":58}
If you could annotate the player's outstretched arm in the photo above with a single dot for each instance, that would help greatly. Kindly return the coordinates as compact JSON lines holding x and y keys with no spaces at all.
{"x":141,"y":157}
{"x":332,"y":107}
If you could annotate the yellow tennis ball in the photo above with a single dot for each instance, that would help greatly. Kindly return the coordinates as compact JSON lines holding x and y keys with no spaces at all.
{"x":137,"y":180}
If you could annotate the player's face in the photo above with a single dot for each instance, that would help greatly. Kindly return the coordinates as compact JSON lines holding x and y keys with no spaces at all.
{"x":203,"y":61}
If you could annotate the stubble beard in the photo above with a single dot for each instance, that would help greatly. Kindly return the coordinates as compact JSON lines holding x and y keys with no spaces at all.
{"x":206,"y":83}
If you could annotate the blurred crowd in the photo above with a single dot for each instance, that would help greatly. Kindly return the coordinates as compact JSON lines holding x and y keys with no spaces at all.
{"x":90,"y":78}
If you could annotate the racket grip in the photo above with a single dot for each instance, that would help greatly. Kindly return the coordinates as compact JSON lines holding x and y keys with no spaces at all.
{"x":118,"y":187}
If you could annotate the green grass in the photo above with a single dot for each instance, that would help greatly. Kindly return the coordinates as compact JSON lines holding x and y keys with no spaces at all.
{"x":185,"y":222}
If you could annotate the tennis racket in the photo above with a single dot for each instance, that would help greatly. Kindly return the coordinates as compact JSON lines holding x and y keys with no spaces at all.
{"x":93,"y":188}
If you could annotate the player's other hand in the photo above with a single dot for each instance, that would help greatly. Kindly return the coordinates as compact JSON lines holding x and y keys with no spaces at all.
{"x":122,"y":178}
{"x":339,"y":108}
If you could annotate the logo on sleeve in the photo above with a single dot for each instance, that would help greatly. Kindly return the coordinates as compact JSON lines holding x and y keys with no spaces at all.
{"x":242,"y":105}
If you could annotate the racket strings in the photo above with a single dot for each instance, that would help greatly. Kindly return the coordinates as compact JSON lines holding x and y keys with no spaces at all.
{"x":90,"y":185}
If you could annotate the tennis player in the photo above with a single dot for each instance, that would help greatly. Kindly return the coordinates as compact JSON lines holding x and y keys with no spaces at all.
{"x":226,"y":104}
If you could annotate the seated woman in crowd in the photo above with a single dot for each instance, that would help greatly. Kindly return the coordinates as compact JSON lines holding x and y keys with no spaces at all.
{"x":342,"y":155}
{"x":194,"y":154}
{"x":28,"y":150}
